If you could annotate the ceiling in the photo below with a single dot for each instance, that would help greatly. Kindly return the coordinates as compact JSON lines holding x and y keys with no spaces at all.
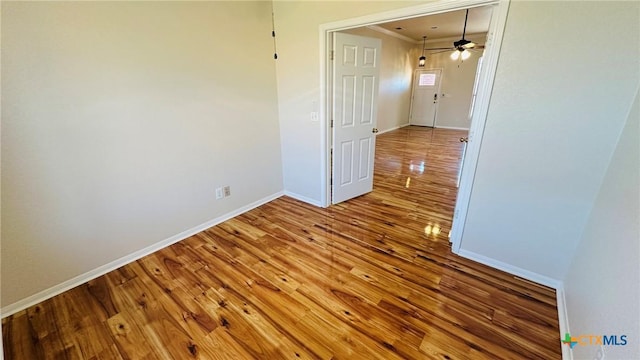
{"x":449,"y":24}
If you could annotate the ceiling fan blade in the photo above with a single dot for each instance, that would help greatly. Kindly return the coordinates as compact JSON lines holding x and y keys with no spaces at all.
{"x":441,"y":48}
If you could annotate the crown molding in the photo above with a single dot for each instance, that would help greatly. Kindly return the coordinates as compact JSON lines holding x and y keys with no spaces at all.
{"x":419,"y":42}
{"x":452,"y":38}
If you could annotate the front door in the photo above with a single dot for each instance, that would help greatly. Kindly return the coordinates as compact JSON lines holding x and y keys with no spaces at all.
{"x":426,"y":92}
{"x":356,"y":68}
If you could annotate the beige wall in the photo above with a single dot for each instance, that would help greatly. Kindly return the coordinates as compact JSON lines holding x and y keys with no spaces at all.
{"x":396,"y":68}
{"x":602,"y":287}
{"x":119,"y":120}
{"x":457,"y":84}
{"x":298,"y":69}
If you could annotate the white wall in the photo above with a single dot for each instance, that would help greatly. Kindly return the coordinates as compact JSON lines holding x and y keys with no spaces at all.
{"x":602,"y":287}
{"x":556,"y":111}
{"x":457,"y":84}
{"x":298,"y":70}
{"x":119,"y":120}
{"x":396,"y":68}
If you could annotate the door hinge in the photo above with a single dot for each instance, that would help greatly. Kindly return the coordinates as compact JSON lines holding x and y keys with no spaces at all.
{"x":331,"y":122}
{"x":331,"y":55}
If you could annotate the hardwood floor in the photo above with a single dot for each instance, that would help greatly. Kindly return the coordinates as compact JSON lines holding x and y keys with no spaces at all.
{"x":371,"y":278}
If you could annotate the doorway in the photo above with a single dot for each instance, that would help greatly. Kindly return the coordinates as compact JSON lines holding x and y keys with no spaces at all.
{"x":424,"y":97}
{"x":485,"y":85}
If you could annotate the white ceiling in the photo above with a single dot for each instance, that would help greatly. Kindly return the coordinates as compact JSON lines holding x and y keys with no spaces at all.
{"x":449,"y":24}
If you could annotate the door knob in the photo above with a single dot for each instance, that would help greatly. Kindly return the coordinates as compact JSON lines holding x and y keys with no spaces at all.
{"x":374,"y":130}
{"x":464,"y":139}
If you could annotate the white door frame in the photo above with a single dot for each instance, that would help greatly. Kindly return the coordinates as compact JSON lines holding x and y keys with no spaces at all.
{"x":492,"y":53}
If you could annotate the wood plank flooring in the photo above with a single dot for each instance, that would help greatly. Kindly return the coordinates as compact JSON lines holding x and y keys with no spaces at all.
{"x":371,"y":278}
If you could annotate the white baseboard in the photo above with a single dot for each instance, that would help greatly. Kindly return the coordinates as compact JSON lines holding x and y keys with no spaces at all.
{"x":451,"y":127}
{"x":101,"y":270}
{"x":558,"y":285}
{"x":303,"y":198}
{"x":393,"y":128}
{"x":514,"y":270}
{"x":563,"y":320}
{"x":388,"y":130}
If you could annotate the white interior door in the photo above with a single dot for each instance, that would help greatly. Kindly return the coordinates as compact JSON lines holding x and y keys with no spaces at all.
{"x":424,"y":103}
{"x":356,"y":69}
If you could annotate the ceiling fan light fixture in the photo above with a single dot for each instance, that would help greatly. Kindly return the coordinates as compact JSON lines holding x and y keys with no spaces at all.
{"x":463,"y":44}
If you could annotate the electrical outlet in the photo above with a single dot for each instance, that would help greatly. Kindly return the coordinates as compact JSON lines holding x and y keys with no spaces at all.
{"x":227,"y":190}
{"x":219,"y":193}
{"x":599,"y":353}
{"x":314,"y":116}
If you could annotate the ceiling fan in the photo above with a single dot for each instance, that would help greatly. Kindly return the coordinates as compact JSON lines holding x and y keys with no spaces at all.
{"x":461,"y":47}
